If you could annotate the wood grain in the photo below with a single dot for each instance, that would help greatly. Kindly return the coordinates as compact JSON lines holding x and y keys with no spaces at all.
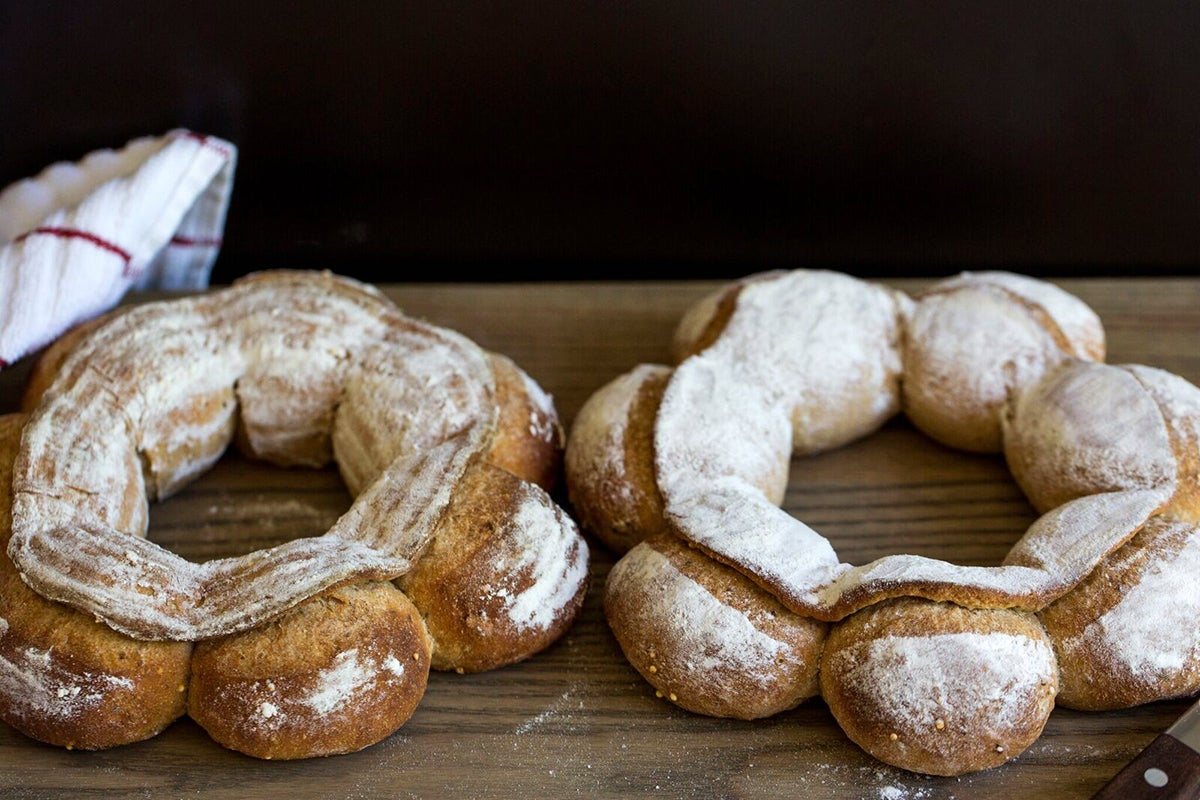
{"x":576,"y":720}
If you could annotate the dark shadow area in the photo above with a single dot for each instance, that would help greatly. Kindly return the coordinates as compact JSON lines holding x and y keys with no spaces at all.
{"x":523,"y":141}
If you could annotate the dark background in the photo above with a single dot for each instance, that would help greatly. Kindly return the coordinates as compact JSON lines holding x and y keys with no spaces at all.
{"x":412,"y":141}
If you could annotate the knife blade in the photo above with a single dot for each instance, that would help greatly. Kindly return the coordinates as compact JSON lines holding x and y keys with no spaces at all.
{"x":1168,"y":768}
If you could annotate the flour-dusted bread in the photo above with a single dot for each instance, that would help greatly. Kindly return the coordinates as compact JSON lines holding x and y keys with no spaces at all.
{"x":504,"y":576}
{"x":610,"y":468}
{"x":333,"y":675}
{"x":449,"y":451}
{"x":973,"y":339}
{"x":1127,"y":635}
{"x":686,"y":464}
{"x":938,"y":688}
{"x":706,"y":637}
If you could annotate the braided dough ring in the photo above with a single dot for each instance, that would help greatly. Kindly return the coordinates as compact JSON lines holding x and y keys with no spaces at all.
{"x":316,"y":646}
{"x":927,"y":665}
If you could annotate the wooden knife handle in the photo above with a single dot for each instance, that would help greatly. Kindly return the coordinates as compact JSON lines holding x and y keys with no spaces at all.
{"x":1167,"y":768}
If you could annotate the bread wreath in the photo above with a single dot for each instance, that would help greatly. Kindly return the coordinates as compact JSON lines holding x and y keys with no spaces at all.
{"x":728,"y":606}
{"x":452,"y":556}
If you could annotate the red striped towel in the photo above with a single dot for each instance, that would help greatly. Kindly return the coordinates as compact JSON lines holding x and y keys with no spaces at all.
{"x":76,"y":237}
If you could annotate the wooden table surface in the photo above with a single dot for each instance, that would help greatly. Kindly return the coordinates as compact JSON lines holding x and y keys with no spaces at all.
{"x":576,"y":720}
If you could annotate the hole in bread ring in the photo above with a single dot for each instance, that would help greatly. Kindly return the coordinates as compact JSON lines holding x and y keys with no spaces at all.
{"x":810,"y":360}
{"x":404,"y":408}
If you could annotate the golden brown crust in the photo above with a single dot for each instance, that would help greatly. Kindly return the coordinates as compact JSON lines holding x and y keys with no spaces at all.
{"x":1058,"y":448}
{"x":754,"y":658}
{"x":422,"y":406}
{"x":1122,"y":636}
{"x":892,"y":676}
{"x":66,"y":679}
{"x":638,"y":446}
{"x":610,"y":463}
{"x":481,"y":583}
{"x":529,"y":438}
{"x":10,"y":443}
{"x":974,"y":340}
{"x":334,"y":675}
{"x":1178,"y":404}
{"x":703,"y":323}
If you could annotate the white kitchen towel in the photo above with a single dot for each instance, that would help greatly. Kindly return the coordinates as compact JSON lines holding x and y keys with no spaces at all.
{"x":77,"y":236}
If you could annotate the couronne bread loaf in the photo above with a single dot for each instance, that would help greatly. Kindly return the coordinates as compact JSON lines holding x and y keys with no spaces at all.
{"x":728,"y":606}
{"x":452,"y":556}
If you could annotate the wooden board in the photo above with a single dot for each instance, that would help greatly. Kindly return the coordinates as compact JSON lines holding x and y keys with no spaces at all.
{"x":576,"y":720}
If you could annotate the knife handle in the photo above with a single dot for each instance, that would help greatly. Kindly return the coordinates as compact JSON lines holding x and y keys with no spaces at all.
{"x":1167,"y":768}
